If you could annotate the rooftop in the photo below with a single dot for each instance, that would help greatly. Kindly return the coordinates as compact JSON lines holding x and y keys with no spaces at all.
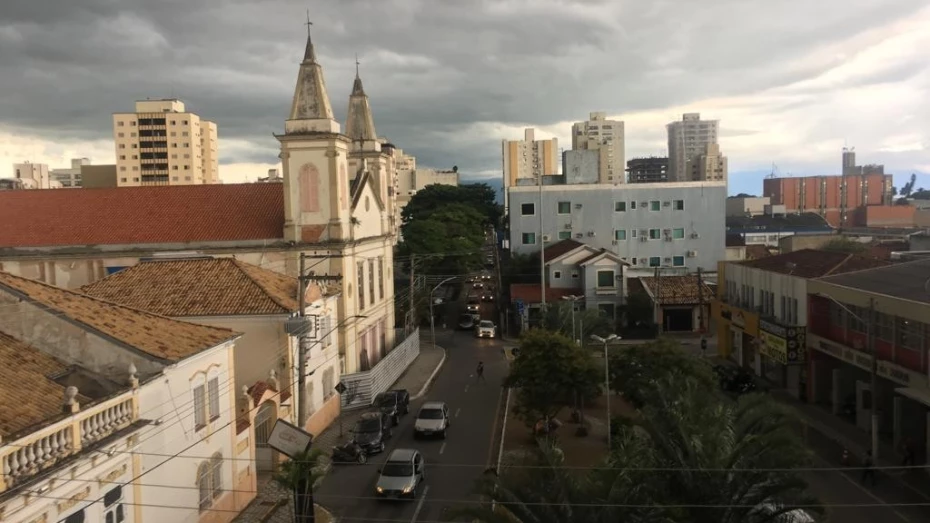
{"x":805,"y":221}
{"x":907,"y":281}
{"x":203,"y":287}
{"x":677,"y":290}
{"x":755,"y":252}
{"x":811,"y":263}
{"x":558,"y":249}
{"x":616,"y":188}
{"x":531,"y":293}
{"x":158,"y":336}
{"x":141,"y":215}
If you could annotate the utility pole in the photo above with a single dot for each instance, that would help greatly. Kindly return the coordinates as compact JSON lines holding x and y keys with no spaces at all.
{"x":302,"y":347}
{"x":413,"y":262}
{"x":542,"y":250}
{"x":658,"y":307}
{"x":870,"y":340}
{"x":700,"y":290}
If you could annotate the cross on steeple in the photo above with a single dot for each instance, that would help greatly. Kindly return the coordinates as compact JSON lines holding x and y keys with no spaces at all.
{"x":309,"y":23}
{"x":356,"y":65}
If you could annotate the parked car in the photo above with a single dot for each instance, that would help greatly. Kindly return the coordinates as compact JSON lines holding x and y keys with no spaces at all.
{"x":486,"y":329}
{"x":478,"y":285}
{"x":394,"y":403}
{"x":432,"y":420}
{"x":402,"y":473}
{"x":473,"y":306}
{"x":371,"y":431}
{"x":467,"y":321}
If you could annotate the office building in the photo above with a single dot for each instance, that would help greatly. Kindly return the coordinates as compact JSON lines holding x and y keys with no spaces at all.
{"x":686,"y":139}
{"x":606,"y":137}
{"x":833,"y":197}
{"x":647,"y":170}
{"x":70,"y":177}
{"x":161,"y":143}
{"x":529,"y":158}
{"x":33,"y":176}
{"x":647,"y":225}
{"x":708,"y":166}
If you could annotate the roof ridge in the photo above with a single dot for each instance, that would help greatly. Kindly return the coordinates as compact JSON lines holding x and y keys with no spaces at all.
{"x":838,"y":265}
{"x":241,"y":266}
{"x":110,"y":303}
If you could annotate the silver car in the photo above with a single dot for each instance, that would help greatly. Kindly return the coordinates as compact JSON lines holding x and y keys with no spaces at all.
{"x":401,"y":475}
{"x":432,"y":420}
{"x":486,"y":329}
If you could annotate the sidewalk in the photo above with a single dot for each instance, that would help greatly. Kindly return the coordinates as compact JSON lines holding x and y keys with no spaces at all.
{"x":272,"y":504}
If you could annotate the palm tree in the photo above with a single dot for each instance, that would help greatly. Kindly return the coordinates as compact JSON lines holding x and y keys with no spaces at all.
{"x":309,"y":465}
{"x":718,"y":461}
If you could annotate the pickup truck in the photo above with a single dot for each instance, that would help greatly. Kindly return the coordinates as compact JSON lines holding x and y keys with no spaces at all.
{"x":395,"y":403}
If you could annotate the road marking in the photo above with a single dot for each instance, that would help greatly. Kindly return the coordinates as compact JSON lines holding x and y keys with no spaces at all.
{"x":863,"y":489}
{"x":419,"y":505}
{"x":497,"y":415}
{"x":457,"y":412}
{"x":442,"y":448}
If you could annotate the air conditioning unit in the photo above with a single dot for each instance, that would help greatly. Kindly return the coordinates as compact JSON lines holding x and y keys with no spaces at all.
{"x":579,"y":235}
{"x":695,"y":235}
{"x":568,"y":226}
{"x":643,"y":239}
{"x":591,"y":234}
{"x":692,"y":254}
{"x":667,"y":259}
{"x":668,"y":238}
{"x":546,"y":237}
{"x":643,"y":261}
{"x":614,"y":242}
{"x":666,"y":204}
{"x":578,"y":206}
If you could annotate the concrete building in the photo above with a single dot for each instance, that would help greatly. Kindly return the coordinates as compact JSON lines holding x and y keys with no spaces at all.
{"x":761,"y":311}
{"x":746,"y":205}
{"x":851,"y":169}
{"x":708,"y":166}
{"x":163,"y":144}
{"x":891,"y":304}
{"x":687,"y":139}
{"x":411,"y":181}
{"x":607,"y":137}
{"x":648,"y":225}
{"x":681,"y":303}
{"x":34,"y":176}
{"x":70,"y":177}
{"x":529,"y":158}
{"x":774,"y":225}
{"x":98,"y":176}
{"x":647,"y":170}
{"x":581,"y":166}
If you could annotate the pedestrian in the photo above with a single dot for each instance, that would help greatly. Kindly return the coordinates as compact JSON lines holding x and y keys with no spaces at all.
{"x":479,"y":372}
{"x":908,"y":448}
{"x":868,"y":470}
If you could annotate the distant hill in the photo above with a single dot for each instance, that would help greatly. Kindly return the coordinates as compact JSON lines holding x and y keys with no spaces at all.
{"x":495,"y":183}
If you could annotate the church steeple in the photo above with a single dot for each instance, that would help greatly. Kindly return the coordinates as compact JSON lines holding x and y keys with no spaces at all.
{"x":360,"y":126}
{"x":310,"y":109}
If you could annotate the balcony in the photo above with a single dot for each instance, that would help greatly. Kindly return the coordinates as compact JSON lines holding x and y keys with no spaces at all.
{"x":25,"y":457}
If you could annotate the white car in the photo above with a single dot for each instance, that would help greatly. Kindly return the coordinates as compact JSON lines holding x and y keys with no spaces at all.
{"x":486,"y":329}
{"x":401,"y":474}
{"x":432,"y":420}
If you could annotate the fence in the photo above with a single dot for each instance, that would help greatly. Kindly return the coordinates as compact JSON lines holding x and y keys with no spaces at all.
{"x":362,"y":387}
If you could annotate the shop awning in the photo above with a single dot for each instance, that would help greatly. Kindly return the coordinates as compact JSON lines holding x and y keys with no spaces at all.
{"x":919,"y":395}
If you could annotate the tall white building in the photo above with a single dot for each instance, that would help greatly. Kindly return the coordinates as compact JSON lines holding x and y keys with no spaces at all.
{"x":708,"y":166}
{"x":686,"y":139}
{"x":529,"y":158}
{"x":161,"y":143}
{"x":34,"y":175}
{"x":70,"y":177}
{"x":608,"y":138}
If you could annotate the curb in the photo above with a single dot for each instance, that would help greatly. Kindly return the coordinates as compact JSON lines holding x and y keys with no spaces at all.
{"x":432,"y":376}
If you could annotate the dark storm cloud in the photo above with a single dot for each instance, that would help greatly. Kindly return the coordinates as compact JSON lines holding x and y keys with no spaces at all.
{"x":431,"y":67}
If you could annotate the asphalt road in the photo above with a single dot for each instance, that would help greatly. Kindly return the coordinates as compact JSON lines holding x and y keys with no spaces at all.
{"x":453,"y":464}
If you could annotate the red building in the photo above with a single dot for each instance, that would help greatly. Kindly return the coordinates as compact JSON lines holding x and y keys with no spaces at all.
{"x":833,"y":197}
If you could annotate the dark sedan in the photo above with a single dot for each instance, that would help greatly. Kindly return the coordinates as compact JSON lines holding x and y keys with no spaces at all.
{"x":371,"y":431}
{"x":394,"y":403}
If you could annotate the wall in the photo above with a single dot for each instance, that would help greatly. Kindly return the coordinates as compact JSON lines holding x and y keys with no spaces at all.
{"x":364,"y":386}
{"x":922,"y":218}
{"x":885,"y":216}
{"x":782,"y":285}
{"x":581,"y":166}
{"x":741,"y":206}
{"x":703,"y":216}
{"x":595,"y":296}
{"x":828,"y":195}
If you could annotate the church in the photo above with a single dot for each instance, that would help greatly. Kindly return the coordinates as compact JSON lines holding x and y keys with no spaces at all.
{"x":336,"y":206}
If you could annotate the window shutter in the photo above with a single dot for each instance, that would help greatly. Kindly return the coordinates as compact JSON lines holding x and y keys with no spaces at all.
{"x":214,"y":392}
{"x":200,"y":407}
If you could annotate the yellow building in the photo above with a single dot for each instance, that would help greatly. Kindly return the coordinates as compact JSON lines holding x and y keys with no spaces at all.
{"x":529,"y":158}
{"x":163,"y":144}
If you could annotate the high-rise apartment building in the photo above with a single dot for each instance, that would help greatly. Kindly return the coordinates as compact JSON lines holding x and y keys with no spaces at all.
{"x":647,"y":170}
{"x":529,"y":158}
{"x":607,"y":137}
{"x":686,"y":139}
{"x":163,"y":144}
{"x":708,"y":166}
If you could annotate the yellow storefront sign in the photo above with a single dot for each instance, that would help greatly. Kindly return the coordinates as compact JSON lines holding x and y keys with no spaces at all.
{"x":780,"y":343}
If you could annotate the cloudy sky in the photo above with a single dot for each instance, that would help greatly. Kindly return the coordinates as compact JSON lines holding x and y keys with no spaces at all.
{"x":791,"y":81}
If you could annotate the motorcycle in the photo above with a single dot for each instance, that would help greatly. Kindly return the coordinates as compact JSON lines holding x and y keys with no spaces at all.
{"x":349,"y":452}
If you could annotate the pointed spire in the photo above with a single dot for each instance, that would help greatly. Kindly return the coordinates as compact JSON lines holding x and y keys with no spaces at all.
{"x":309,"y":53}
{"x":311,"y":101}
{"x":360,"y":125}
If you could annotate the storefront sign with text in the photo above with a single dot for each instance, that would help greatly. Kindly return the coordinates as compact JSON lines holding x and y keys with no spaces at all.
{"x":863,"y":360}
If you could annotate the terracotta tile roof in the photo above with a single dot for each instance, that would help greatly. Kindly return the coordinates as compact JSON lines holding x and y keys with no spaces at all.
{"x":210,"y":287}
{"x":530,"y":293}
{"x":158,"y":336}
{"x":26,"y":368}
{"x":811,"y":263}
{"x":677,"y":290}
{"x":558,"y":249}
{"x":755,"y":252}
{"x":141,"y":215}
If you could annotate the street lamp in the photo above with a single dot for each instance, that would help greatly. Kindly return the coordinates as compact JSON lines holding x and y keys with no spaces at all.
{"x":870,"y":342}
{"x":574,"y":299}
{"x":606,"y":341}
{"x":432,"y":318}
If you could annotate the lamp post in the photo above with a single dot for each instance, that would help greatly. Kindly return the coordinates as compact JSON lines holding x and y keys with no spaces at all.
{"x":870,"y":345}
{"x":574,"y":299}
{"x":432,"y":318}
{"x":606,"y":341}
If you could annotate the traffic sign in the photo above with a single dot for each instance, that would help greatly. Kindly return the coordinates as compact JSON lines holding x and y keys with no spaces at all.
{"x":340,"y":387}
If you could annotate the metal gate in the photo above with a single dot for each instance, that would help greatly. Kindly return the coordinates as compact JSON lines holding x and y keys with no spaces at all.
{"x":264,"y":422}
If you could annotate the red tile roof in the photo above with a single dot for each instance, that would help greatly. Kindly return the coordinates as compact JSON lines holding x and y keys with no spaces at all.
{"x":558,"y":249}
{"x":141,"y":215}
{"x":811,"y":263}
{"x":677,"y":290}
{"x":530,"y":293}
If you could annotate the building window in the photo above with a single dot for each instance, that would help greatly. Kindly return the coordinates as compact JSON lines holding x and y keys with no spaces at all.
{"x":678,"y":261}
{"x":557,"y":275}
{"x":113,"y":509}
{"x":529,"y":238}
{"x":620,"y":234}
{"x":213,"y":393}
{"x":619,"y":206}
{"x":119,"y":124}
{"x":122,"y":146}
{"x":381,"y":278}
{"x":655,"y":234}
{"x":565,"y":207}
{"x":655,"y":205}
{"x":574,"y":274}
{"x":120,"y":135}
{"x":200,"y":402}
{"x":632,"y":205}
{"x":361,"y":286}
{"x":655,"y":261}
{"x":528,"y":209}
{"x":565,"y":235}
{"x":678,"y":205}
{"x":371,"y":280}
{"x":678,"y":234}
{"x":605,"y":279}
{"x":203,"y":486}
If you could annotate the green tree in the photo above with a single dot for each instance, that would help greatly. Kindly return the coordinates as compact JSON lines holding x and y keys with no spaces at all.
{"x":636,"y":371}
{"x":844,"y":244}
{"x":921,"y":194}
{"x":558,"y":318}
{"x":478,"y":196}
{"x":909,"y":186}
{"x":449,"y":239}
{"x":549,"y":372}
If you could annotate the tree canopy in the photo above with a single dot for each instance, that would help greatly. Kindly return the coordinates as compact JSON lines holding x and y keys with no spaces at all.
{"x":478,"y":196}
{"x":843,"y":244}
{"x":636,"y":371}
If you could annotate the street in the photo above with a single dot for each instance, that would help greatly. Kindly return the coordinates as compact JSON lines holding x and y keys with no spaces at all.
{"x":452,"y":465}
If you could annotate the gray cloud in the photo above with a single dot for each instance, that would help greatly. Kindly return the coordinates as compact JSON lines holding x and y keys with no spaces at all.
{"x":431,"y":67}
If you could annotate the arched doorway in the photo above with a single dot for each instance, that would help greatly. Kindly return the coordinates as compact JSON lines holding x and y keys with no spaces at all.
{"x":264,"y":422}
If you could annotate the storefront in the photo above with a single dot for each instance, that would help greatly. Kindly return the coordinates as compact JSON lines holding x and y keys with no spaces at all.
{"x":783,"y":349}
{"x":737,"y":335}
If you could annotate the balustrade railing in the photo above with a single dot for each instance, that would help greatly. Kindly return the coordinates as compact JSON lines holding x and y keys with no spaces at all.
{"x":42,"y":449}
